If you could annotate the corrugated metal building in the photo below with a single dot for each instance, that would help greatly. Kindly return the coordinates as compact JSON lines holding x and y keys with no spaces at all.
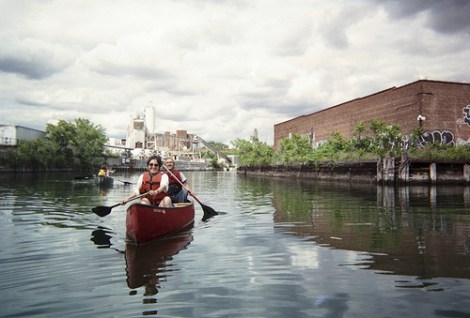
{"x":11,"y":134}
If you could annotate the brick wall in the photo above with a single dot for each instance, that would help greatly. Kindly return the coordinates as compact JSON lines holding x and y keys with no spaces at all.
{"x":441,"y":103}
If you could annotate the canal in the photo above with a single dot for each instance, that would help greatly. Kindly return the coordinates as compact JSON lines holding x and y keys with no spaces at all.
{"x":278,"y":249}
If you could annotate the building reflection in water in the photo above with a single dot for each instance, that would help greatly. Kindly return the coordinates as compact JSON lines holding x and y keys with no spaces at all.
{"x":422,"y":231}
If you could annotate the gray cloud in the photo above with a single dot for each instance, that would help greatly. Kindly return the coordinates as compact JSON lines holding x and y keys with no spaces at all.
{"x":218,"y":69}
{"x":445,"y":16}
{"x":32,"y":67}
{"x":33,"y":58}
{"x":29,"y":102}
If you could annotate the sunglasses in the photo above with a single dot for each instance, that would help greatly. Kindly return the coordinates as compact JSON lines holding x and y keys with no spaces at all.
{"x":153,"y":165}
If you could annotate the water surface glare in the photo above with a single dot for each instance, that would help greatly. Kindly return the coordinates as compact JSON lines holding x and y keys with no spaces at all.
{"x":278,"y":249}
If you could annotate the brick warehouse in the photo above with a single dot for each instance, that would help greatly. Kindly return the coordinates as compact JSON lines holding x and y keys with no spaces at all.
{"x":442,"y":108}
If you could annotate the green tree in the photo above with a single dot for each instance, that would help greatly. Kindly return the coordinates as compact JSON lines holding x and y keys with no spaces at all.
{"x":61,"y":134}
{"x":253,"y":152}
{"x":89,"y":141}
{"x":335,"y":148}
{"x":218,"y":145}
{"x":80,"y":139}
{"x":360,"y":143}
{"x":295,"y":149}
{"x":39,"y":154}
{"x":388,"y":139}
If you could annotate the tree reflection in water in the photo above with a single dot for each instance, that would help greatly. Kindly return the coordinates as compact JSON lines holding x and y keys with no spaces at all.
{"x":422,"y":231}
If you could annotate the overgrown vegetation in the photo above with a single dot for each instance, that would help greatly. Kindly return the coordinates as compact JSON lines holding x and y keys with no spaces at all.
{"x":77,"y":144}
{"x":67,"y":145}
{"x":382,"y":141}
{"x":254,"y":152}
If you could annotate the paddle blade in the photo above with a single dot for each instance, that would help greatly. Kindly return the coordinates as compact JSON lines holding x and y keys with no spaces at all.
{"x":126,"y":182}
{"x":208,"y":212}
{"x":101,"y":210}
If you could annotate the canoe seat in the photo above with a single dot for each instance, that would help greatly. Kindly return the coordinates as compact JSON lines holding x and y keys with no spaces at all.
{"x":178,"y":205}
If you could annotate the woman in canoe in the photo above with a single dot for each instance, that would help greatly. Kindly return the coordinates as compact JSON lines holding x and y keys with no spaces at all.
{"x":153,"y":182}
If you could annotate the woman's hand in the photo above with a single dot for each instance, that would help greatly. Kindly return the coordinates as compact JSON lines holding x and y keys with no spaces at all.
{"x":154,"y":192}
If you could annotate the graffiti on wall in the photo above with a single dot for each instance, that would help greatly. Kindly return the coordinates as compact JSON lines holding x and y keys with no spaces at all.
{"x":446,"y":137}
{"x":443,"y":137}
{"x":466,"y":115}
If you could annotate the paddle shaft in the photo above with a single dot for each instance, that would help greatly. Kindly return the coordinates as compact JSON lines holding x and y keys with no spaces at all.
{"x":132,"y":199}
{"x":129,"y":200}
{"x":105,"y":210}
{"x":181,"y":184}
{"x":208,"y":211}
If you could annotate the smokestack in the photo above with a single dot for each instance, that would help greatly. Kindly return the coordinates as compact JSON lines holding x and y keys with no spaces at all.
{"x":150,"y":119}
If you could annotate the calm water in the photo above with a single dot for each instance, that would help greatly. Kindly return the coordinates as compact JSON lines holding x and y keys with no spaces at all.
{"x":278,"y":250}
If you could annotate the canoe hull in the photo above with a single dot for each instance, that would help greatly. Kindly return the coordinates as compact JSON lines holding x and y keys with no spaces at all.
{"x":146,"y":223}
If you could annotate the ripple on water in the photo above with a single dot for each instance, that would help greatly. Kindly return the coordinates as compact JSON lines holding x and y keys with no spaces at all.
{"x":257,"y":259}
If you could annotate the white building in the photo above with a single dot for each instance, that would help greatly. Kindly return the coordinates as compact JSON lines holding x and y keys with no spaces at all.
{"x":136,"y":133}
{"x":11,"y":134}
{"x":149,"y":120}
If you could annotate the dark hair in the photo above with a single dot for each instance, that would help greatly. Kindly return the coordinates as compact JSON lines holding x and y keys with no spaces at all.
{"x":159,"y":160}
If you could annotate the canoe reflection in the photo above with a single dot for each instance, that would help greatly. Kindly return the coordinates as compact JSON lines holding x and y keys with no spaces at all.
{"x":147,"y":264}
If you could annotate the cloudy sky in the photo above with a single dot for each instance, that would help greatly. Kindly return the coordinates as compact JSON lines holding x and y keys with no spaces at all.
{"x":218,"y":68}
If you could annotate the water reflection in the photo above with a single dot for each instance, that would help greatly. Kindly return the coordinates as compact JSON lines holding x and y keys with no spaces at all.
{"x":102,"y":237}
{"x":409,"y":230}
{"x":149,"y":264}
{"x":240,"y":264}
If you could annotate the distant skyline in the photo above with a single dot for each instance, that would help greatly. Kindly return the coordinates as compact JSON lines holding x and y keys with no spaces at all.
{"x":218,"y":69}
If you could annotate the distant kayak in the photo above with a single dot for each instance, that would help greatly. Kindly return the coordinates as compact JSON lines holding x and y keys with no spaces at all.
{"x":87,"y":177}
{"x":104,"y":181}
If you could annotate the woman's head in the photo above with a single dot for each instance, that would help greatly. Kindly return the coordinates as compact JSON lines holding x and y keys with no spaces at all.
{"x":154,"y":163}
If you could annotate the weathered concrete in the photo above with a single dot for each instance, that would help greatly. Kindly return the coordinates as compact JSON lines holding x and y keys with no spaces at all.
{"x":388,"y":170}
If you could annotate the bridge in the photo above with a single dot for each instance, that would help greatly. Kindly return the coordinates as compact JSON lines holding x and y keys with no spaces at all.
{"x":214,"y":150}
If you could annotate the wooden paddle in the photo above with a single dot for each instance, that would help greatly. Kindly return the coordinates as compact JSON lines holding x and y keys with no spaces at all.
{"x":208,"y":211}
{"x":105,"y":210}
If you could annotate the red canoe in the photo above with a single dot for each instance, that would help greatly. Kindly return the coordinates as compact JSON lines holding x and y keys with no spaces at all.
{"x":146,"y":222}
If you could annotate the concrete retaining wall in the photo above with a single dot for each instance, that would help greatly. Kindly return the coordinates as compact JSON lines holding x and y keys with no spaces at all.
{"x":387,"y":171}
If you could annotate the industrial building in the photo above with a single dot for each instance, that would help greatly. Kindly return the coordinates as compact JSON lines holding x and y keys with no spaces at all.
{"x":143,"y":140}
{"x":141,"y":135}
{"x":441,"y":108}
{"x":10,"y":135}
